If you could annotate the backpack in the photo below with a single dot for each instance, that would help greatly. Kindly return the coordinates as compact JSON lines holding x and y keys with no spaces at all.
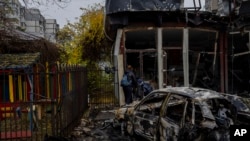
{"x":126,"y":81}
{"x":147,"y":88}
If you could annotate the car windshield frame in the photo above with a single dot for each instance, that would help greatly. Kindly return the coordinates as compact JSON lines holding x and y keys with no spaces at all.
{"x":151,"y":96}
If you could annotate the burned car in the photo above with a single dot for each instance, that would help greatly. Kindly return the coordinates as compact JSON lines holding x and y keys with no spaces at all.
{"x":181,"y":113}
{"x":242,"y":104}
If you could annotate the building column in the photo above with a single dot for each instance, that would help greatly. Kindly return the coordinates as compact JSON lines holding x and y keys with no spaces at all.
{"x":119,"y":70}
{"x":185,"y":57}
{"x":160,"y":58}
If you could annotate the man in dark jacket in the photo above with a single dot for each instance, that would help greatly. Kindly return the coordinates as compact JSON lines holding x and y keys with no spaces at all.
{"x":128,"y":90}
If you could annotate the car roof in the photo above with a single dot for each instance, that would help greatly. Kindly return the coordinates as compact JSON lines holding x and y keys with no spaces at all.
{"x":192,"y":92}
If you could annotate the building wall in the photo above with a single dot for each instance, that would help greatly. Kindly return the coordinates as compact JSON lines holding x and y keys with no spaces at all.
{"x":30,"y":20}
{"x":35,"y":22}
{"x":51,"y":28}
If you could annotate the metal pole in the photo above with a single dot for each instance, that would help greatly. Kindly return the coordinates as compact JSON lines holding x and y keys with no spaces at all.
{"x":185,"y":57}
{"x":160,"y":57}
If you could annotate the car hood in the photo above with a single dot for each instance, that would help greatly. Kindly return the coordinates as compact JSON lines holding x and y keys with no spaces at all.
{"x":241,"y":103}
{"x":128,"y":109}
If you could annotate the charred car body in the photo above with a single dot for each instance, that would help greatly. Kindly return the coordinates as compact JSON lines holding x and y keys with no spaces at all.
{"x":181,"y":113}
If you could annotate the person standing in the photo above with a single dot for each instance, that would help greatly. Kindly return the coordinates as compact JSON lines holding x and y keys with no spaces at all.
{"x":129,"y":84}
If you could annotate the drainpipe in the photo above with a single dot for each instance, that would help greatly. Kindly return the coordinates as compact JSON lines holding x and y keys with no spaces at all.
{"x":118,"y":64}
{"x":160,"y":58}
{"x":185,"y":57}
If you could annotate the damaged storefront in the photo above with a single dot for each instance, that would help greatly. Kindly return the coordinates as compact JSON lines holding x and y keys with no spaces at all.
{"x":182,"y":43}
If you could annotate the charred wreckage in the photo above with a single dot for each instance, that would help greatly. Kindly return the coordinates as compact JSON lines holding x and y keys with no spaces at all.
{"x":197,"y":53}
{"x":200,"y":43}
{"x":184,"y":114}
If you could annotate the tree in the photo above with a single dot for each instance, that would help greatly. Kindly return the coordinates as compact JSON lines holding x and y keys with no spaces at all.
{"x":84,"y":41}
{"x":5,"y":10}
{"x":65,"y":38}
{"x":92,"y":38}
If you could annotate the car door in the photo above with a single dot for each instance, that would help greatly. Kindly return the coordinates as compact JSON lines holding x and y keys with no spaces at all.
{"x":146,"y":115}
{"x":172,"y":118}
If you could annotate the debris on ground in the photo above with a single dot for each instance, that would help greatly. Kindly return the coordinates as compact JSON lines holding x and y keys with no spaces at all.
{"x":99,"y":125}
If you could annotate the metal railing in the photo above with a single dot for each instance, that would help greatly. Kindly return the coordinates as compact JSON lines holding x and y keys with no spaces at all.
{"x":45,"y":99}
{"x":101,"y":90}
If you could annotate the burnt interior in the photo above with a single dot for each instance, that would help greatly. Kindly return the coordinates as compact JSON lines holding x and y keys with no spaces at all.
{"x":204,"y":57}
{"x":219,"y":58}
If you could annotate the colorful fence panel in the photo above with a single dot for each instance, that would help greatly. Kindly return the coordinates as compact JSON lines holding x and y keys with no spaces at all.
{"x":41,"y":99}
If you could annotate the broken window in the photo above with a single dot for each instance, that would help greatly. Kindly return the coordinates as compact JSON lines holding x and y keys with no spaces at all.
{"x":238,"y":63}
{"x":147,"y":114}
{"x":198,"y":115}
{"x":189,"y":113}
{"x":175,"y":109}
{"x":152,"y":104}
